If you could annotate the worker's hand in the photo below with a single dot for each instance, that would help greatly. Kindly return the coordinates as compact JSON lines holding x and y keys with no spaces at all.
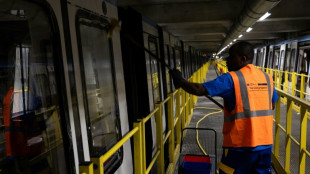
{"x":176,"y":77}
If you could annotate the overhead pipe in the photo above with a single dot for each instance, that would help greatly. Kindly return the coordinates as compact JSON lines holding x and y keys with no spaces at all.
{"x":252,"y":11}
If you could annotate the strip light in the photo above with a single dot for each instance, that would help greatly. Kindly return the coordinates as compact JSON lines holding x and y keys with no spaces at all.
{"x":264,"y":16}
{"x":249,"y":29}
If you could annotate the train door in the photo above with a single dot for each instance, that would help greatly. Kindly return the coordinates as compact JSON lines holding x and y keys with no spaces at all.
{"x":291,"y":57}
{"x":303,"y":68}
{"x":282,"y":57}
{"x":270,"y":57}
{"x":263,"y":57}
{"x":255,"y":57}
{"x":98,"y":71}
{"x":154,"y":79}
{"x":34,"y":122}
{"x":282,"y":61}
{"x":276,"y":61}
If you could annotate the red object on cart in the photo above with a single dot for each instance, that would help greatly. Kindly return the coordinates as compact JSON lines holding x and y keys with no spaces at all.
{"x":196,"y":164}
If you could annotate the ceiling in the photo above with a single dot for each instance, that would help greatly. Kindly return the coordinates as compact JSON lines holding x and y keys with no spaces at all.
{"x":209,"y":25}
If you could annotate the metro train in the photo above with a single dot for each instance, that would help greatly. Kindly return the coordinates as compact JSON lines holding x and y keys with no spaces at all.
{"x":291,"y":56}
{"x":71,"y":86}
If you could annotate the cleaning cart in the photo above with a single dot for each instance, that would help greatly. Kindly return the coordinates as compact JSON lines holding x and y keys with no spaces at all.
{"x":198,"y":153}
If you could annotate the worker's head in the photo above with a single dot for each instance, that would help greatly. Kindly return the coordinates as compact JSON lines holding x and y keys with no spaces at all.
{"x":240,"y":54}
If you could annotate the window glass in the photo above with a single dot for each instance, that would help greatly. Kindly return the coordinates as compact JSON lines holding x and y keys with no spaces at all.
{"x":30,"y":132}
{"x":167,"y":70}
{"x":270,"y":59}
{"x":282,"y":59}
{"x":287,"y":60}
{"x":275,"y":60}
{"x":257,"y":63}
{"x":291,"y":68}
{"x":177,"y":58}
{"x":154,"y":69}
{"x":99,"y":88}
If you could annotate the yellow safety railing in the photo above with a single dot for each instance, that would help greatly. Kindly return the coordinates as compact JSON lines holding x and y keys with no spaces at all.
{"x":294,"y":98}
{"x":184,"y":109}
{"x":303,"y":152}
{"x":292,"y":83}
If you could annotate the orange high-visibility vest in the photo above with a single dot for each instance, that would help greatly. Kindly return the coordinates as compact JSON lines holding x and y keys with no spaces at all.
{"x":23,"y":136}
{"x":250,"y":123}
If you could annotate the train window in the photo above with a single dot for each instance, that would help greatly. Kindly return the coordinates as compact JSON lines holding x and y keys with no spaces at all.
{"x":275,"y":60}
{"x":167,"y":70}
{"x":270,"y":59}
{"x":30,"y":138}
{"x":99,"y":88}
{"x":292,"y":60}
{"x":287,"y":60}
{"x":258,"y":57}
{"x":152,"y":41}
{"x":304,"y":64}
{"x":177,"y":59}
{"x":282,"y":61}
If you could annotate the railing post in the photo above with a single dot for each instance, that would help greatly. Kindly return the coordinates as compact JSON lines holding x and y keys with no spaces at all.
{"x":138,"y":154}
{"x":303,"y":138}
{"x":277,"y":131}
{"x":275,"y":78}
{"x":86,"y":167}
{"x":279,"y":79}
{"x":159,"y":135}
{"x":286,"y":81}
{"x":171,"y":128}
{"x":187,"y":108}
{"x":293,"y":83}
{"x":288,"y":134}
{"x":178,"y":116}
{"x":302,"y":86}
{"x":98,"y":165}
{"x":184,"y":110}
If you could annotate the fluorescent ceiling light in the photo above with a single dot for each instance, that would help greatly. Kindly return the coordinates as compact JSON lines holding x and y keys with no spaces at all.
{"x":249,"y":29}
{"x":264,"y":16}
{"x":240,"y":35}
{"x":234,"y":40}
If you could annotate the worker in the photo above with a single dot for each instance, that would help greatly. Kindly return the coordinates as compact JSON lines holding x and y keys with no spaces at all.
{"x":249,"y":99}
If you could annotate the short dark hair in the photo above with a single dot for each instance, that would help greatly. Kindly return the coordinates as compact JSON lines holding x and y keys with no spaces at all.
{"x":243,"y":49}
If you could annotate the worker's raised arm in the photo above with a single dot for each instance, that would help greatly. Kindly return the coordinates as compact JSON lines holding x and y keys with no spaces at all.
{"x":192,"y":88}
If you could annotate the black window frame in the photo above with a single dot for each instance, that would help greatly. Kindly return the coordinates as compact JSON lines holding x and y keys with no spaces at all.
{"x":82,"y":13}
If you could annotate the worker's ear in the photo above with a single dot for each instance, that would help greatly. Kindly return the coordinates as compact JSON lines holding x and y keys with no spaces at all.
{"x":244,"y":58}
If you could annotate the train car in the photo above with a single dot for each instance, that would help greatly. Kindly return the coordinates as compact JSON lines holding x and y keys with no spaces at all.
{"x":291,"y":56}
{"x":72,"y":85}
{"x":62,"y":87}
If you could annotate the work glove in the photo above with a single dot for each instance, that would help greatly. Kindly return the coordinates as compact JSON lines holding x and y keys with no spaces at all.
{"x":176,"y":77}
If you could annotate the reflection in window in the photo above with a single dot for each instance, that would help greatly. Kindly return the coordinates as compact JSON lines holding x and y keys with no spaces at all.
{"x":154,"y":69}
{"x":167,"y":70}
{"x":30,"y":138}
{"x":99,"y":88}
